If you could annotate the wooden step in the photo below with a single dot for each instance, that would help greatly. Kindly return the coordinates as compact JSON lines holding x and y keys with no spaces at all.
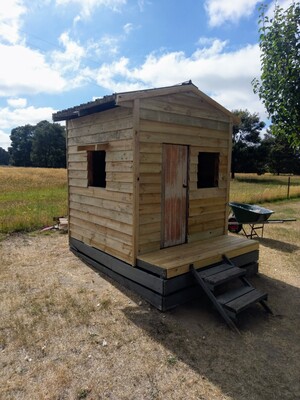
{"x":213,"y":270}
{"x":234,"y":294}
{"x":248,"y":299}
{"x":224,"y":276}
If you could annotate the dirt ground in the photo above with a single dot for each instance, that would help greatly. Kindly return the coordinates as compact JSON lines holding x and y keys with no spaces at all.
{"x":68,"y":332}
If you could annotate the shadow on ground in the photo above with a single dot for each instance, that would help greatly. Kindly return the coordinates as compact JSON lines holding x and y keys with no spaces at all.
{"x":261,"y":363}
{"x":279,"y":245}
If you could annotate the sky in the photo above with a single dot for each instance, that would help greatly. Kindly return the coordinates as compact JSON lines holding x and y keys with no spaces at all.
{"x":56,"y":54}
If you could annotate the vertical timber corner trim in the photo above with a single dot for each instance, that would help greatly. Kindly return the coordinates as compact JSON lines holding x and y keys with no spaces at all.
{"x":228,"y":177}
{"x":136,"y":178}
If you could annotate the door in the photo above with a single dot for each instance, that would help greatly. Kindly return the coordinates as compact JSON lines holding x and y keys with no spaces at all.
{"x":174,"y":195}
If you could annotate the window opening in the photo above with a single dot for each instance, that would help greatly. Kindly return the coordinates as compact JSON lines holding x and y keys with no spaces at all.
{"x":208,"y":170}
{"x":96,"y":168}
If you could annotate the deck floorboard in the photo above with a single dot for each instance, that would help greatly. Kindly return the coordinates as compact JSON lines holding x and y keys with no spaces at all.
{"x":177,"y":260}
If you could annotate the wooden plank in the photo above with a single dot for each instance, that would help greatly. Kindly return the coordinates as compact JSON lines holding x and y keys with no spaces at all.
{"x":150,"y":178}
{"x":183,"y":139}
{"x":151,"y":158}
{"x":184,"y":105}
{"x":153,"y":148}
{"x":102,"y":203}
{"x":94,"y":147}
{"x":186,"y":120}
{"x":93,"y":227}
{"x":211,"y":233}
{"x":99,"y":193}
{"x":150,"y":208}
{"x":76,"y":182}
{"x":101,"y":221}
{"x":96,"y":119}
{"x":176,"y":260}
{"x":104,"y":243}
{"x":102,"y":212}
{"x":118,"y":134}
{"x":119,"y":166}
{"x":150,"y":168}
{"x":124,"y":155}
{"x":136,"y":183}
{"x":205,"y":217}
{"x":148,"y":247}
{"x":123,"y":187}
{"x":78,"y":174}
{"x":77,"y":166}
{"x":150,"y":281}
{"x":243,"y":302}
{"x":167,"y":129}
{"x":150,"y":198}
{"x":119,"y":177}
{"x":207,"y":193}
{"x":150,"y":218}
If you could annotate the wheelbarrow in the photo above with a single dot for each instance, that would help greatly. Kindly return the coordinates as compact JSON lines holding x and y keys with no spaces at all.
{"x":254,"y":216}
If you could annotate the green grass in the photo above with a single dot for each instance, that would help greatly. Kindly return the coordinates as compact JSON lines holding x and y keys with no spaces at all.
{"x":251,"y":188}
{"x":31,"y":197}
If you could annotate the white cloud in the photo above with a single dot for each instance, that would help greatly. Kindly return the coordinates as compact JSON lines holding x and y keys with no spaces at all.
{"x":221,"y":11}
{"x":70,"y":59}
{"x":281,"y":3}
{"x":13,"y":117}
{"x":23,"y":70}
{"x":225,"y":76}
{"x":4,"y":140}
{"x":87,"y":6}
{"x":17,"y":102}
{"x":128,"y":28}
{"x":10,"y":20}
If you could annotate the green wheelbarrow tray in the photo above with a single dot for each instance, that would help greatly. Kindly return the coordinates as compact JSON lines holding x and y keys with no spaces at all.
{"x":250,"y":213}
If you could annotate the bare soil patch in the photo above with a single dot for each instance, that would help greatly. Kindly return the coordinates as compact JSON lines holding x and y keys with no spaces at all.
{"x":68,"y":332}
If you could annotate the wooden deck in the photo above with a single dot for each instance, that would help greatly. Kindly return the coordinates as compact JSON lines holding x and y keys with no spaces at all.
{"x":177,"y":260}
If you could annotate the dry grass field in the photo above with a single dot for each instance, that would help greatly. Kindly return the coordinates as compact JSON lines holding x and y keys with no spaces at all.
{"x":68,"y":332}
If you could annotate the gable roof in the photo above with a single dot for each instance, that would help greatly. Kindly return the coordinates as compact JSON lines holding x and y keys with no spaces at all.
{"x":116,"y":99}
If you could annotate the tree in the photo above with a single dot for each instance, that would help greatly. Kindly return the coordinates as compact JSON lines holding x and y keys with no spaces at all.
{"x":4,"y":157}
{"x":21,"y":141}
{"x":282,"y":158}
{"x":48,"y":145}
{"x":245,"y":141}
{"x":279,"y":85}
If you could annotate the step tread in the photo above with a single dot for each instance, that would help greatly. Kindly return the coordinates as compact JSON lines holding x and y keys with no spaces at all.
{"x":213,"y":270}
{"x":233,"y":294}
{"x":224,"y":276}
{"x":241,"y":303}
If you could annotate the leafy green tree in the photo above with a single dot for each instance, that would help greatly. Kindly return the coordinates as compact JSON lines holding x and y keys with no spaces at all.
{"x":279,"y":85}
{"x":245,"y":142}
{"x":4,"y":157}
{"x":48,"y":145}
{"x":21,"y":142}
{"x":282,"y":158}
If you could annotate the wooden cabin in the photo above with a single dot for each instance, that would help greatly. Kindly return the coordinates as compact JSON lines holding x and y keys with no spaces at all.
{"x":148,"y":177}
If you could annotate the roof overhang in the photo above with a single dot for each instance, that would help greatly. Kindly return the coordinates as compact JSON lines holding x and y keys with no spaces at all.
{"x":116,"y":99}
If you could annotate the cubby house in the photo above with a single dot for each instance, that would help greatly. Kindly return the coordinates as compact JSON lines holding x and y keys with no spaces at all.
{"x":148,"y":177}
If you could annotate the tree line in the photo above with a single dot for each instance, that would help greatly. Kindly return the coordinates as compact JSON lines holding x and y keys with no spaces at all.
{"x":42,"y":145}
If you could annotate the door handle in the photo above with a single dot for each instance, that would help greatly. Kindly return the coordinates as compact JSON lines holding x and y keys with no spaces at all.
{"x":184,"y":186}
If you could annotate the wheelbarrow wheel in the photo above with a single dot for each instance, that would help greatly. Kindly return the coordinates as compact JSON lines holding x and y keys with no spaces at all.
{"x":234,"y":228}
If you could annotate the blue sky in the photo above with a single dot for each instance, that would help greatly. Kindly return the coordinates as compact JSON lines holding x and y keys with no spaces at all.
{"x":57,"y":54}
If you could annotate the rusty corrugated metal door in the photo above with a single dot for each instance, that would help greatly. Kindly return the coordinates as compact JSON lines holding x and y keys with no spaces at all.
{"x":174,"y":195}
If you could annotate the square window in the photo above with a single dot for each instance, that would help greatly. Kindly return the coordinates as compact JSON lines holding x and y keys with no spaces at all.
{"x":208,"y":170}
{"x":96,"y":168}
